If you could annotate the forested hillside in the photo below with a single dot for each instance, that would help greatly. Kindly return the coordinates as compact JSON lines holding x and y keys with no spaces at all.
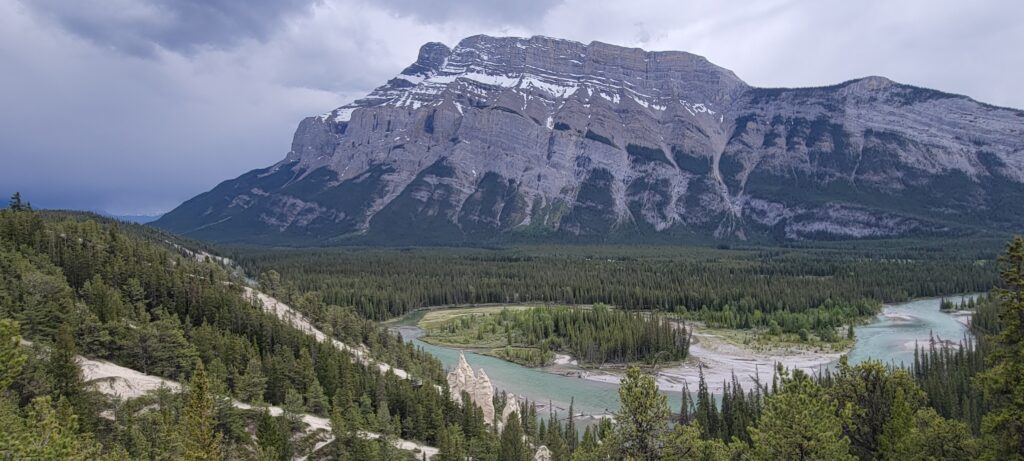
{"x":78,"y":284}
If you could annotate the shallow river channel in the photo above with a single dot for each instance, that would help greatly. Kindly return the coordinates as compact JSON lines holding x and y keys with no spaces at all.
{"x":890,"y":338}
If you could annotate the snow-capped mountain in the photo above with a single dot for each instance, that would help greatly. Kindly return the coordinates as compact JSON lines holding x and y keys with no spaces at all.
{"x":502,"y":137}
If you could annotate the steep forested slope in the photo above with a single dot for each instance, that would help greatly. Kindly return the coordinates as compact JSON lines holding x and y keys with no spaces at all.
{"x":79,"y":284}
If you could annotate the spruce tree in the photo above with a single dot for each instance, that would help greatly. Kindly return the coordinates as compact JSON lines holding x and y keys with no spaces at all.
{"x":451,"y":444}
{"x":1003,"y":383}
{"x":706,"y":415}
{"x":513,"y":448}
{"x":686,"y":405}
{"x":571,"y":436}
{"x":62,"y":367}
{"x":271,"y":437}
{"x":341,"y":431}
{"x":200,"y":439}
{"x":15,"y":203}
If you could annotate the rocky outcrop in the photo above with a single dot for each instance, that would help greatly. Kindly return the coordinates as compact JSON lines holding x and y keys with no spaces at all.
{"x":499,"y":137}
{"x":511,"y":406}
{"x":476,"y":385}
{"x":483,"y":395}
{"x":461,"y":378}
{"x":543,"y":454}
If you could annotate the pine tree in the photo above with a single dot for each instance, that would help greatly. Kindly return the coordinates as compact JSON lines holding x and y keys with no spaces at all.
{"x":867,"y":392}
{"x":161,"y":347}
{"x":272,"y":439}
{"x":897,"y":429}
{"x":554,"y":440}
{"x":934,"y":437}
{"x":1003,"y":383}
{"x":684,"y":443}
{"x":46,"y":433}
{"x":251,"y":385}
{"x":643,"y":416}
{"x":200,"y":439}
{"x":316,"y":401}
{"x":270,"y":283}
{"x":294,"y":407}
{"x":800,"y":423}
{"x":62,"y":367}
{"x":341,"y":432}
{"x":12,"y":355}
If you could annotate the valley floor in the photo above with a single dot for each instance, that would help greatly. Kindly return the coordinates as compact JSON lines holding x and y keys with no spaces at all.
{"x":719,"y":360}
{"x":719,"y":354}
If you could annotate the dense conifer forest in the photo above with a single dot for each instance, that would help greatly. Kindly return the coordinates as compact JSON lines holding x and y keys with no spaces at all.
{"x":81,"y":285}
{"x":76,"y":285}
{"x":796,"y":288}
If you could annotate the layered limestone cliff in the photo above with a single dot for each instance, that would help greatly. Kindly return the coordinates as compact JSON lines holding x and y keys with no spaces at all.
{"x":501,"y":137}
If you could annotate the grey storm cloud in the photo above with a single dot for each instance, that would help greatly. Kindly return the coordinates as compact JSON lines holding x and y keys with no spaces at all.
{"x":521,"y":12}
{"x":133,"y":106}
{"x":137,"y":26}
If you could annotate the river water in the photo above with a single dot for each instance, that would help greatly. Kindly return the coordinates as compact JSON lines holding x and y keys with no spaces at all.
{"x":895,"y":331}
{"x":890,"y":338}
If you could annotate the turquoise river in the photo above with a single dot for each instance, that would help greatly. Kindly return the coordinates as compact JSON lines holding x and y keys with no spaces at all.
{"x":890,"y":338}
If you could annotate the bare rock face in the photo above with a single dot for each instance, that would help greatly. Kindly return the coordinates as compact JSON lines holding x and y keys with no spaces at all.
{"x":500,"y":137}
{"x":483,"y":395}
{"x":543,"y":454}
{"x":511,"y":406}
{"x":461,"y":379}
{"x":477,"y":385}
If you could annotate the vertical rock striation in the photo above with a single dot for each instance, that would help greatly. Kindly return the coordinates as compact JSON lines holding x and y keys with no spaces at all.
{"x":476,"y":385}
{"x":502,"y":137}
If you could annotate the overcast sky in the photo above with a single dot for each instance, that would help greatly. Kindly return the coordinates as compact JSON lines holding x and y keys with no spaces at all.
{"x":132,"y":106}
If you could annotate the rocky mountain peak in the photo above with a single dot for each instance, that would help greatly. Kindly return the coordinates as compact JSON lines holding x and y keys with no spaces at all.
{"x":507,"y":137}
{"x":431,"y":58}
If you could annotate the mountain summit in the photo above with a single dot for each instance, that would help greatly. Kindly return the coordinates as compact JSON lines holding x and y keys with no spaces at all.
{"x":503,"y":137}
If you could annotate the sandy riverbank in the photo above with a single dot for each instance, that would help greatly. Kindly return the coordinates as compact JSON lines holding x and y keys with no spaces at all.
{"x":963,"y":317}
{"x":719,"y":360}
